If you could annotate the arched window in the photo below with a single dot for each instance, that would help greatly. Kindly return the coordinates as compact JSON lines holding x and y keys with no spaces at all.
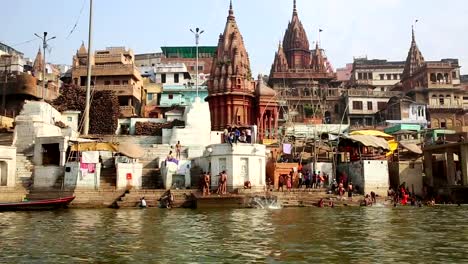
{"x":443,"y":123}
{"x":435,"y":123}
{"x":458,"y":123}
{"x":440,"y":78}
{"x":433,"y":78}
{"x":449,"y":123}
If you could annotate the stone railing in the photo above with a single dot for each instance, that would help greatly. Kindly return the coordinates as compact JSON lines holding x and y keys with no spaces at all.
{"x":353,"y":92}
{"x":120,"y":90}
{"x":448,"y":106}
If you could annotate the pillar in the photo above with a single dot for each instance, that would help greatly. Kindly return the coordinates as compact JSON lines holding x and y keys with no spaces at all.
{"x":463,"y":162}
{"x":428,"y":168}
{"x":450,"y":167}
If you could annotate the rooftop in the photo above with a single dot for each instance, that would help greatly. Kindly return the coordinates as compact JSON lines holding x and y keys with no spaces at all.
{"x":188,"y":52}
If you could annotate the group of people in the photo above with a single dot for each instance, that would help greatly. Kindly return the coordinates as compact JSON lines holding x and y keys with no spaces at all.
{"x":235,"y":134}
{"x":403,"y":196}
{"x":341,"y":190}
{"x":304,"y":177}
{"x":205,"y":183}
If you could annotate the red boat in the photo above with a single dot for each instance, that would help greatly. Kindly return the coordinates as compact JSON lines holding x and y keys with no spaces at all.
{"x":38,"y":204}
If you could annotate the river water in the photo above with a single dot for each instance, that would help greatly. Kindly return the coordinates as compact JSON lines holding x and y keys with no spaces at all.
{"x":296,"y":235}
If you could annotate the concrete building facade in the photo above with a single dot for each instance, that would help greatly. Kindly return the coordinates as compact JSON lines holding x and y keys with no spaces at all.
{"x":113,"y":69}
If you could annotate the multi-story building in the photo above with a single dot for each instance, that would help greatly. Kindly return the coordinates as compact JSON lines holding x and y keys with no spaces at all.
{"x":361,"y":105}
{"x":303,"y":78}
{"x":113,"y":69}
{"x":185,"y":55}
{"x":379,"y":75}
{"x":178,"y":86}
{"x":437,"y":84}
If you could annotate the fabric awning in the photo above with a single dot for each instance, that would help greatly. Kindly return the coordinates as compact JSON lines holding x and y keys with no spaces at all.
{"x":131,"y":150}
{"x":412,"y":147}
{"x":94,"y":146}
{"x":370,"y":141}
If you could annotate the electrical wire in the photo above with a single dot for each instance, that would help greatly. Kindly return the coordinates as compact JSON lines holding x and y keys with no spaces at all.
{"x":77,"y":20}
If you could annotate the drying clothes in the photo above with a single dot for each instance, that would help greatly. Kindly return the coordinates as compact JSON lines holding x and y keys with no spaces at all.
{"x":91,"y":167}
{"x":287,"y":148}
{"x":90,"y":157}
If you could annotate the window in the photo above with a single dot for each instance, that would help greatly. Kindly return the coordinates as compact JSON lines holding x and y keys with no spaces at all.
{"x":359,"y":75}
{"x":124,"y":82}
{"x":163,"y":78}
{"x":369,"y":105}
{"x":443,"y":124}
{"x":395,"y":76}
{"x":381,"y":105}
{"x":150,"y":96}
{"x":176,"y":78}
{"x":171,"y":96}
{"x":441,"y":99}
{"x":389,"y":76}
{"x":192,"y":68}
{"x":69,"y":118}
{"x":399,"y":76}
{"x":200,"y":68}
{"x":357,"y":105}
{"x":382,"y":76}
{"x":107,"y":82}
{"x":454,"y":74}
{"x":116,"y":82}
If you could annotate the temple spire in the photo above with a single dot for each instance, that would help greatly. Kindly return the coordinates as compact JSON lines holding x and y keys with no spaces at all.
{"x":294,"y":8}
{"x":413,"y":39}
{"x":231,"y":11}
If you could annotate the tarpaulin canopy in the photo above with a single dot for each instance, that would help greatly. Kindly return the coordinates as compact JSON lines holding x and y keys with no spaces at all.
{"x":94,"y":146}
{"x":370,"y":141}
{"x":131,"y":150}
{"x":412,"y":147}
{"x":127,"y":149}
{"x":392,"y":144}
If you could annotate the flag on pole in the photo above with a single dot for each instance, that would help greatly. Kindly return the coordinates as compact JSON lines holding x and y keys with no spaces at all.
{"x":320,"y":30}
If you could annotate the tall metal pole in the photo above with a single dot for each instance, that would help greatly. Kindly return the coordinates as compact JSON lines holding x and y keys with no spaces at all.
{"x":44,"y":45}
{"x":197,"y":34}
{"x":88,"y":81}
{"x":197,"y":37}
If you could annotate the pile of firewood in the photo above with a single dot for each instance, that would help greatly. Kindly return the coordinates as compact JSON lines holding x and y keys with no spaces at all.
{"x":104,"y":112}
{"x":155,"y":129}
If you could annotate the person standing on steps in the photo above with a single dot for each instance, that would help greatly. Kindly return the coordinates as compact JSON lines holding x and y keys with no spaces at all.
{"x":178,"y":147}
{"x":350,"y":190}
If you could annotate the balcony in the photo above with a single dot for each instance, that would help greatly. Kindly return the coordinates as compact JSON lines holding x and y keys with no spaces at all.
{"x":366,"y":93}
{"x":108,"y":70}
{"x":127,"y":111}
{"x":120,"y":90}
{"x":448,"y":106}
{"x":108,"y":58}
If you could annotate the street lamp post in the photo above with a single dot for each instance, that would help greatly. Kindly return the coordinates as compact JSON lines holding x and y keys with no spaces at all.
{"x":44,"y":46}
{"x":197,"y":34}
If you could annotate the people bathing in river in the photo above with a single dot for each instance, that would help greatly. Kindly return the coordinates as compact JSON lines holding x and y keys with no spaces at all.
{"x":206,"y":184}
{"x":350,"y":191}
{"x":142,"y":202}
{"x":222,"y":183}
{"x":281,"y":182}
{"x":247,"y":185}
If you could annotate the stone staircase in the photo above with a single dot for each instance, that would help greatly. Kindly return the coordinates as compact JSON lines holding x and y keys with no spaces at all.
{"x":24,"y":171}
{"x":6,"y":138}
{"x":182,"y":198}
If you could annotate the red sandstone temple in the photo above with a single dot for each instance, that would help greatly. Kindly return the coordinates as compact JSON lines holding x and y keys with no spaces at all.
{"x":234,"y":97}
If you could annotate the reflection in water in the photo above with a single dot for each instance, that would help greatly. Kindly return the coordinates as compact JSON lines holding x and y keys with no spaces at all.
{"x":298,"y":235}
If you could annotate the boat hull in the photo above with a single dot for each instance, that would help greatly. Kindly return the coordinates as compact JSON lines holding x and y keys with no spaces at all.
{"x":48,"y":204}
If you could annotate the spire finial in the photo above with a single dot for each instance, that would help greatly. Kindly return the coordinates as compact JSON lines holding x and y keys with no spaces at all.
{"x":412,"y":34}
{"x":294,"y":7}
{"x":231,"y":11}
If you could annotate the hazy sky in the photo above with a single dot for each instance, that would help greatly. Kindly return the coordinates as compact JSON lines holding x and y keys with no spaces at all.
{"x":376,"y":28}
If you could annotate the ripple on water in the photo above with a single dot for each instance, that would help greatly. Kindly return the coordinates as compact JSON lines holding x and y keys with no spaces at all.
{"x":354,"y":235}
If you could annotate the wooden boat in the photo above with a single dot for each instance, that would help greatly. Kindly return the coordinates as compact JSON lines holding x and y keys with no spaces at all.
{"x":37,"y":205}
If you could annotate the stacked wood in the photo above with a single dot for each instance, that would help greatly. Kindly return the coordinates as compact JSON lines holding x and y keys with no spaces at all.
{"x":155,"y":129}
{"x":104,"y":112}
